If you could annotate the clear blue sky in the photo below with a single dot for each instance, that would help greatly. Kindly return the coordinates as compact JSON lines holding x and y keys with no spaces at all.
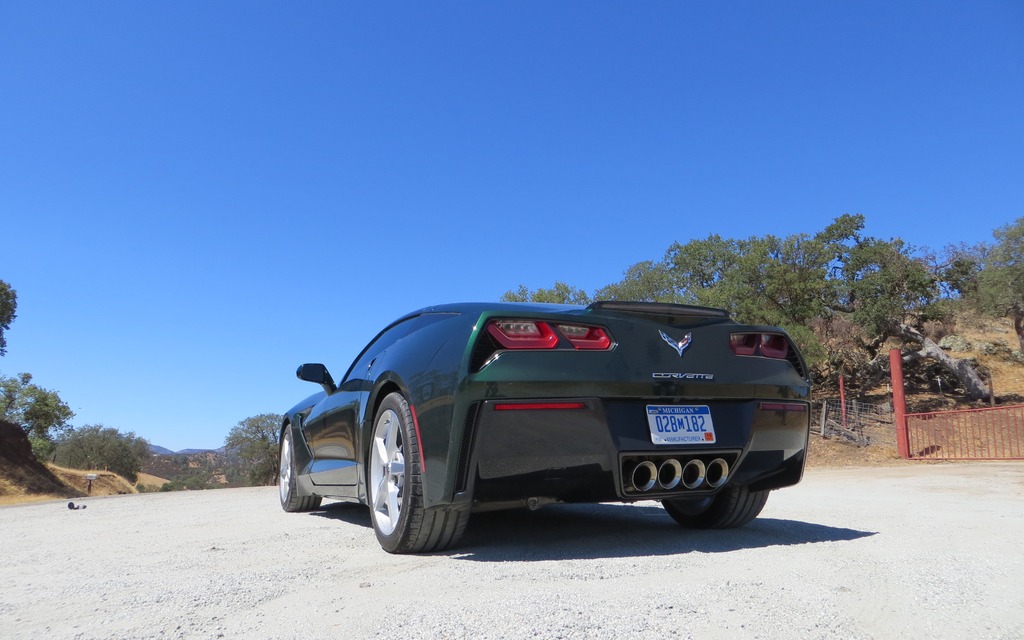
{"x":197,"y":197}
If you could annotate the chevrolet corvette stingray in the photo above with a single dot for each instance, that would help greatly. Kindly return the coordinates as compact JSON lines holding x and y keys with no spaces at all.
{"x":460,"y":408}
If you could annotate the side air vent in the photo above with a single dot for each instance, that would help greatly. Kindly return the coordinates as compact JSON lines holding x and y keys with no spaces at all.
{"x":794,"y":359}
{"x":485,"y":347}
{"x":462,"y":471}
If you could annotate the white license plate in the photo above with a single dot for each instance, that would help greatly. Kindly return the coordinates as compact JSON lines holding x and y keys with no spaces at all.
{"x":680,"y":424}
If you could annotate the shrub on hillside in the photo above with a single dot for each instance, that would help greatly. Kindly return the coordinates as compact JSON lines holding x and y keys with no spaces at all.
{"x":99,"y":447}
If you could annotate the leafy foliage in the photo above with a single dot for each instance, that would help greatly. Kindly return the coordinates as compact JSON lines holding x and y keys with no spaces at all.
{"x":839,"y":293}
{"x":255,"y":442}
{"x":8,"y":307}
{"x":645,"y":281}
{"x":99,"y":447}
{"x":561,"y":293}
{"x":38,"y":411}
{"x":1001,"y":281}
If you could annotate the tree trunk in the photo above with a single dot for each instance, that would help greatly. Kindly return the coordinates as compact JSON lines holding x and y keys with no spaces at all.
{"x":961,"y":368}
{"x":1017,"y":314}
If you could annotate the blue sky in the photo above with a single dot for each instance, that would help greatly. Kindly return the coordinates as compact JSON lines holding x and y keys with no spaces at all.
{"x":197,"y":197}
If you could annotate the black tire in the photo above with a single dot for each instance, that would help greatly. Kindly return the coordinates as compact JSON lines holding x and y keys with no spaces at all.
{"x":731,"y":507}
{"x":287,"y":489}
{"x":395,"y":490}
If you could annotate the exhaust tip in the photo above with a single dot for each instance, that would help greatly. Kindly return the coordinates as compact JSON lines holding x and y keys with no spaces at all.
{"x":693,"y":474}
{"x":670,"y":474}
{"x":717,"y":473}
{"x":644,"y":476}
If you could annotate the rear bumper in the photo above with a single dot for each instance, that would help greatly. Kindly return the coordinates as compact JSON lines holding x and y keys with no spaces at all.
{"x":587,"y":449}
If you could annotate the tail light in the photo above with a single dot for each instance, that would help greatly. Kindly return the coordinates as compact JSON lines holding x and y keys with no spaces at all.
{"x":769,"y":345}
{"x":523,"y":334}
{"x":534,"y":334}
{"x":774,"y":346}
{"x":743,"y":344}
{"x":588,"y":338}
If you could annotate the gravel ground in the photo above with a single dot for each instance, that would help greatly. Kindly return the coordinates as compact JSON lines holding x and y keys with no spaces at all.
{"x":911,"y":551}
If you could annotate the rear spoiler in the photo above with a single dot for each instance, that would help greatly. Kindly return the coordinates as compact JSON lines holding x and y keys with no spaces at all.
{"x":659,"y":308}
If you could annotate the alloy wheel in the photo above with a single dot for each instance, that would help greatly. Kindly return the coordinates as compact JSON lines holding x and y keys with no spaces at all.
{"x":387,"y":472}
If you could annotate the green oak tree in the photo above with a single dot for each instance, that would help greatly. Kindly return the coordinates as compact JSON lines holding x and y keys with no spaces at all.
{"x":561,"y":293}
{"x":842,"y":295}
{"x":40,"y":412}
{"x":8,"y":307}
{"x":1000,"y":283}
{"x":100,"y":447}
{"x":255,"y":441}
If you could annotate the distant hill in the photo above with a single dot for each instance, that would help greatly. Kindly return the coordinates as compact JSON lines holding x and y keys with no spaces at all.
{"x":195,"y":468}
{"x":164,"y":451}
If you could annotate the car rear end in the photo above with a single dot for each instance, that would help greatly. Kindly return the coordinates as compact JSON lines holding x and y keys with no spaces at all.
{"x":627,"y":401}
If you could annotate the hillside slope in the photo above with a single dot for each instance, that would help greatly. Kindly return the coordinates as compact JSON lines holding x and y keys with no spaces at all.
{"x":21,"y":475}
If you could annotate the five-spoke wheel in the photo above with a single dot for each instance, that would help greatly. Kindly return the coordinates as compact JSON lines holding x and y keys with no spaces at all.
{"x":387,"y":471}
{"x":286,"y":482}
{"x":395,"y":490}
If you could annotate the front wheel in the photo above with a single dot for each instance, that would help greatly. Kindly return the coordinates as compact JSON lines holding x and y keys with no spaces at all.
{"x":287,"y":490}
{"x":730,"y":507}
{"x":394,"y":481}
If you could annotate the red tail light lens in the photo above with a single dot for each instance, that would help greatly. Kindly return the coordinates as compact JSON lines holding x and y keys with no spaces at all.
{"x":774,"y":346}
{"x":590,"y":338}
{"x":523,"y":334}
{"x":769,"y":345}
{"x":743,"y":344}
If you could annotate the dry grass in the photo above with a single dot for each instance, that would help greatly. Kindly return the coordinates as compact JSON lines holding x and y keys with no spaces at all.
{"x":1007,"y":374}
{"x":106,"y":483}
{"x":8,"y":500}
{"x":832,"y":452}
{"x":147,"y":480}
{"x":11,"y":493}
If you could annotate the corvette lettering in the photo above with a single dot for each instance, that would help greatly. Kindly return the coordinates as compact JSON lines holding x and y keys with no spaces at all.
{"x":683,"y":376}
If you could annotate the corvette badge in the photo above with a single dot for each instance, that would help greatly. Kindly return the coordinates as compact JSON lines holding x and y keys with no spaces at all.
{"x":680,"y":346}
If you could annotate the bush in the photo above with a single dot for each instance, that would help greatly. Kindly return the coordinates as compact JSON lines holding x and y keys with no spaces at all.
{"x":99,"y":447}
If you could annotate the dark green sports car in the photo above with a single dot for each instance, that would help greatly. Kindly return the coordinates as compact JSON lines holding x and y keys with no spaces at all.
{"x":468,"y":407}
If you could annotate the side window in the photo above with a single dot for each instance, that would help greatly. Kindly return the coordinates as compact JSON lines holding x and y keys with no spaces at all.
{"x":384,"y":339}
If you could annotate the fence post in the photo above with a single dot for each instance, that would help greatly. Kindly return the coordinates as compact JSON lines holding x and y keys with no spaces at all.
{"x":899,"y":403}
{"x":842,"y":398}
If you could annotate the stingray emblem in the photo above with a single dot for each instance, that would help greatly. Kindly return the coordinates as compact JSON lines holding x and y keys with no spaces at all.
{"x":680,"y":346}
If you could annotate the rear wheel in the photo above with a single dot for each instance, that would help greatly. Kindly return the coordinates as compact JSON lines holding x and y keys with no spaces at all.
{"x":394,"y":481}
{"x":730,"y":507}
{"x":291,"y":501}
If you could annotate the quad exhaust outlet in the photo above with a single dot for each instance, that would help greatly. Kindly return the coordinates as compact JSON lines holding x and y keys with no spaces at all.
{"x":670,"y":473}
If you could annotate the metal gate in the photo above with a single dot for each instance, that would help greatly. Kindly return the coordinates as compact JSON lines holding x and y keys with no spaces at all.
{"x":973,"y":434}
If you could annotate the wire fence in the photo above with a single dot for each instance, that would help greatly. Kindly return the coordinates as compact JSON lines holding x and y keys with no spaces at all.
{"x":858,"y":422}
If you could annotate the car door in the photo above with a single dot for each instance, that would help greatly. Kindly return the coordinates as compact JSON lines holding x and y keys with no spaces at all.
{"x":331,"y":428}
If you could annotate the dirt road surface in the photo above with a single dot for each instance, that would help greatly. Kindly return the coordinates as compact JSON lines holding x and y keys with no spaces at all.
{"x":931,"y":551}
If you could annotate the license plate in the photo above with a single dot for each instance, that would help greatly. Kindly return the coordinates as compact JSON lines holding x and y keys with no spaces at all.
{"x":680,"y":424}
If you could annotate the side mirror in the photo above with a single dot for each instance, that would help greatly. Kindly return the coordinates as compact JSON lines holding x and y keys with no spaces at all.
{"x":317,"y":373}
